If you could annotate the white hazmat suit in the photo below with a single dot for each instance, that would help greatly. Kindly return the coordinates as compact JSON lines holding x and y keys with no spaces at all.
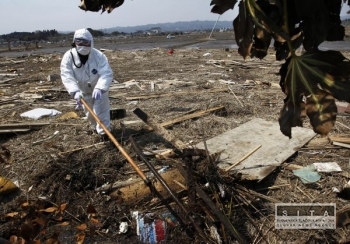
{"x":84,"y":78}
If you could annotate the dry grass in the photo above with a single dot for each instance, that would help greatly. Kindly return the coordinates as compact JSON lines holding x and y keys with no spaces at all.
{"x":44,"y":167}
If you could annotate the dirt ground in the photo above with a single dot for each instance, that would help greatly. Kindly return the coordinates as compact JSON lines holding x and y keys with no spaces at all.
{"x":58,"y":177}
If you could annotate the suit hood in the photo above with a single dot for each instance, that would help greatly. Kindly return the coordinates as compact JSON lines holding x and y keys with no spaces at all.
{"x":84,"y":34}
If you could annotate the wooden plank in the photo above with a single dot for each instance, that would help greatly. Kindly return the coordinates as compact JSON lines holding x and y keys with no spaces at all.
{"x":137,"y":191}
{"x":190,"y":116}
{"x":341,"y":144}
{"x":11,"y":128}
{"x":275,"y":149}
{"x":2,"y":131}
{"x":340,"y":139}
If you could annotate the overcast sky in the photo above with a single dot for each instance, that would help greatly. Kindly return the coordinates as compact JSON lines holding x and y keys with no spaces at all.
{"x":64,"y":15}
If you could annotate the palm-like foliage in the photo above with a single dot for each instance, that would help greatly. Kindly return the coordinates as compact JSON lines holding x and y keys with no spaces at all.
{"x":311,"y":81}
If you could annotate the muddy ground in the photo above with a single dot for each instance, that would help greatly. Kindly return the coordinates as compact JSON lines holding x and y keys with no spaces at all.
{"x":58,"y":177}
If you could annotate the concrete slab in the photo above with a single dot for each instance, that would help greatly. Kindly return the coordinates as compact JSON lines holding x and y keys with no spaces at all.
{"x":275,"y":147}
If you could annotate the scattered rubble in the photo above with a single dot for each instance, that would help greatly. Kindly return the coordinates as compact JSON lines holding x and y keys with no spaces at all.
{"x":200,"y":124}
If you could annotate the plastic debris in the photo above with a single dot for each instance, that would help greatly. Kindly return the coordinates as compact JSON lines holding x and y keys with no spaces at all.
{"x":123,"y":227}
{"x":307,"y":174}
{"x":151,"y":227}
{"x":171,"y":51}
{"x":327,"y":167}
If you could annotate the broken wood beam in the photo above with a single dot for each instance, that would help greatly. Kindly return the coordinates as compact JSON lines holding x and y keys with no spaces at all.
{"x":158,"y":128}
{"x":191,"y":116}
{"x":127,"y":193}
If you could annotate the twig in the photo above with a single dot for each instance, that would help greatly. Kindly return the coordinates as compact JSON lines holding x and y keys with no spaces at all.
{"x":235,"y":96}
{"x":342,"y":125}
{"x":81,"y":148}
{"x":259,"y":231}
{"x":247,"y":213}
{"x":272,"y":187}
{"x":80,"y":221}
{"x":263,"y":236}
{"x":179,"y":183}
{"x":242,"y":159}
{"x":118,"y":184}
{"x":221,"y":216}
{"x":46,"y":139}
{"x":305,"y":194}
{"x":243,"y":190}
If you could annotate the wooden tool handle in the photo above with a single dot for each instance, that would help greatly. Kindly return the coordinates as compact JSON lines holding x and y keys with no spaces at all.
{"x":120,"y":148}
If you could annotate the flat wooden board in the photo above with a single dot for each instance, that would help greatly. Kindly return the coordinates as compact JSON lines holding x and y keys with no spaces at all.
{"x":275,"y":147}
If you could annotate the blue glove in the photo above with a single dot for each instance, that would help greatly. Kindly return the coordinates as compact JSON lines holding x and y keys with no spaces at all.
{"x":96,"y":94}
{"x":77,"y":97}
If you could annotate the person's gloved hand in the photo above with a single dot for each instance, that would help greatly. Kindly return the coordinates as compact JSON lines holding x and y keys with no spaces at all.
{"x":96,"y":94}
{"x":77,"y":97}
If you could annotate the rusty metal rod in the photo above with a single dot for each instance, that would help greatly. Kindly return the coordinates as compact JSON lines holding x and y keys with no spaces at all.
{"x":120,"y":148}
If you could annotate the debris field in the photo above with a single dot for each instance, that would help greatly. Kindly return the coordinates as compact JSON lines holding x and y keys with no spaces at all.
{"x":201,"y":124}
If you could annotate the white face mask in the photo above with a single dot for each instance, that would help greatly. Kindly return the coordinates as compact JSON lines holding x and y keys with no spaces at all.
{"x":83,"y":50}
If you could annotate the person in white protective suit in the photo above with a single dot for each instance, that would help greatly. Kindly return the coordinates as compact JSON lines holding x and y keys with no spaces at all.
{"x":86,"y":73}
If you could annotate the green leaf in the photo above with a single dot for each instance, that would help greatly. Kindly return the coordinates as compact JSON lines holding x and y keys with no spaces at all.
{"x":318,"y":77}
{"x":292,"y":115}
{"x":321,"y":110}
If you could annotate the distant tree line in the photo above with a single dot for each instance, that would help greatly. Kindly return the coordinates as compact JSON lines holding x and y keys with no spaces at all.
{"x":30,"y":36}
{"x":95,"y":33}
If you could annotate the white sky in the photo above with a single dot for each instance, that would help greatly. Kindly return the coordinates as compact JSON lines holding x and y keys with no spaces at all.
{"x":64,"y":15}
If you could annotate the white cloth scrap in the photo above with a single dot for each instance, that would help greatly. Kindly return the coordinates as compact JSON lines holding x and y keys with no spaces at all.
{"x":39,"y":113}
{"x":327,"y":167}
